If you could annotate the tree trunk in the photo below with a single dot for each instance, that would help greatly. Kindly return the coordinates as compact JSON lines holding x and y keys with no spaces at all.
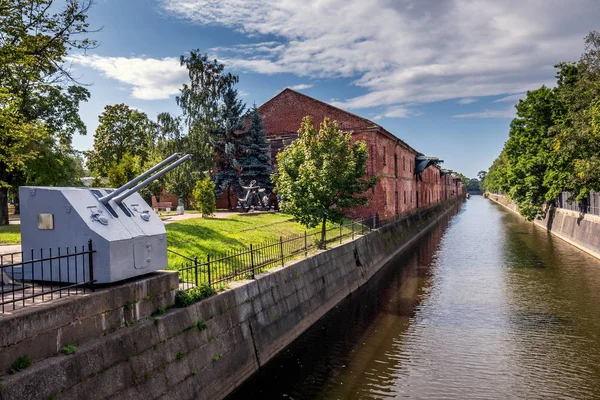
{"x":3,"y":206}
{"x":17,"y":204}
{"x":323,"y":245}
{"x":229,"y":207}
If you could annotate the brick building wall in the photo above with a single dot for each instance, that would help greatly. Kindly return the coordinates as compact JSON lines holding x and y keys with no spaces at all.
{"x":399,"y":189}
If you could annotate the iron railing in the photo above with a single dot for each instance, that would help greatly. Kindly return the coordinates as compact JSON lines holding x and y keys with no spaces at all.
{"x":45,"y":274}
{"x":218,"y":269}
{"x":589,"y":205}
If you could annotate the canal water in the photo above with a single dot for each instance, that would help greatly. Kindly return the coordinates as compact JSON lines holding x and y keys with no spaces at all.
{"x":485,"y":306}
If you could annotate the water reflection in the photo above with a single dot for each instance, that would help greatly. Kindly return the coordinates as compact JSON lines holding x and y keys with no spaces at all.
{"x":485,"y":306}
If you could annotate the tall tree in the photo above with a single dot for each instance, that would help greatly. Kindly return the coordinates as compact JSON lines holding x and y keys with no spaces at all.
{"x":35,"y":37}
{"x":228,"y":146}
{"x":575,"y":157}
{"x":528,"y":150}
{"x":200,"y":101}
{"x":256,"y":160}
{"x":121,"y":130}
{"x":322,"y":173}
{"x":172,"y":139}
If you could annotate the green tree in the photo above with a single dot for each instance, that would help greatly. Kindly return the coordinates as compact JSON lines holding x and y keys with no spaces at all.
{"x":120,"y":172}
{"x":204,"y":196}
{"x":200,"y":101}
{"x":481,"y":175}
{"x":172,"y":139}
{"x":228,"y":148}
{"x":121,"y":130}
{"x":322,"y":173}
{"x":528,"y":150}
{"x":575,"y":157}
{"x":495,"y":180}
{"x":35,"y":37}
{"x":256,"y":160}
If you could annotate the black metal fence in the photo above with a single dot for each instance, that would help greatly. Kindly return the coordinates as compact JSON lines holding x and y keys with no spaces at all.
{"x":218,"y":269}
{"x":589,"y":205}
{"x":45,"y":274}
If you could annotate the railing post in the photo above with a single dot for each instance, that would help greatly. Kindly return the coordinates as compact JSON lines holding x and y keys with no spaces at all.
{"x":341,"y":224}
{"x":252,"y":260}
{"x":305,"y":244}
{"x":91,"y":263}
{"x":196,"y":269}
{"x":352,"y":229}
{"x":208,"y":268}
{"x":281,"y":248}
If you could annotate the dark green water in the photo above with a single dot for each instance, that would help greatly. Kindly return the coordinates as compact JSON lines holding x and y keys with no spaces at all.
{"x":484,"y":307}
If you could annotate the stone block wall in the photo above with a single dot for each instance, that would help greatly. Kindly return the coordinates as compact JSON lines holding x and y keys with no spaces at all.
{"x":580,"y":230}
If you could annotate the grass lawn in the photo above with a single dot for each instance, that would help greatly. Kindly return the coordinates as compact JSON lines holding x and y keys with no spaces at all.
{"x":197,"y":237}
{"x":10,"y":234}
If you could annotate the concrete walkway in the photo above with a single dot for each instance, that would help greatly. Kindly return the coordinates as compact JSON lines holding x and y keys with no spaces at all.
{"x":219,"y":214}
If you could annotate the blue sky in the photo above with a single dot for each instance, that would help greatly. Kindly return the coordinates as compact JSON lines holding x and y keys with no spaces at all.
{"x":443,"y":76}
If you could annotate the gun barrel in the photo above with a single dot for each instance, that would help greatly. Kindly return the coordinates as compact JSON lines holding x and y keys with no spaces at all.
{"x":116,"y":192}
{"x":149,"y":180}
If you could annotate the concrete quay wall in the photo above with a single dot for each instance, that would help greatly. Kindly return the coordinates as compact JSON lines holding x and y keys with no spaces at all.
{"x":580,"y":230}
{"x":206,"y":350}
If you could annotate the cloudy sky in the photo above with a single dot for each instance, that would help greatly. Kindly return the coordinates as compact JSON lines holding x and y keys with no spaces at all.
{"x":442,"y":75}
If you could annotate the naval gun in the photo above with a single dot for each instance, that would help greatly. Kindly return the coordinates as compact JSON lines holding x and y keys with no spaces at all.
{"x":128,"y":237}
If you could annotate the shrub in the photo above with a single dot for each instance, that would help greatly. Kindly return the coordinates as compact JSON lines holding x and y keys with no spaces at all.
{"x":204,"y":196}
{"x":20,"y":364}
{"x":69,"y":349}
{"x":186,"y":298}
{"x":201,"y":325}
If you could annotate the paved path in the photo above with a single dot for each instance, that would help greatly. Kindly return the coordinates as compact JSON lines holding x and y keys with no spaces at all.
{"x":219,"y":214}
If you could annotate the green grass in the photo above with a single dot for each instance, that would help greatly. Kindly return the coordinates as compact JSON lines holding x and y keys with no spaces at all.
{"x":10,"y":234}
{"x":201,"y":236}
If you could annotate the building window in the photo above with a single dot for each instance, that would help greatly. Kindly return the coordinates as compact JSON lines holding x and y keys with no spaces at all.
{"x":405,"y":197}
{"x":396,"y":165}
{"x":384,"y":198}
{"x":403,"y":163}
{"x":411,"y":197}
{"x":396,"y":202}
{"x":384,"y":156}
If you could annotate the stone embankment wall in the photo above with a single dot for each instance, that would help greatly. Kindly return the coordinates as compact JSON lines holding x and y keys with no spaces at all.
{"x":206,"y":350}
{"x":580,"y":230}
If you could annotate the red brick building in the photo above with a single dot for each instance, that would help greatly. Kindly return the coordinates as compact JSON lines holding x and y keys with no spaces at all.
{"x":408,"y":179}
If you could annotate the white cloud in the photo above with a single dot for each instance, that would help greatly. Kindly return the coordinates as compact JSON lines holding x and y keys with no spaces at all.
{"x":301,"y":86}
{"x":513,"y":97}
{"x":149,"y":78}
{"x":398,"y":112}
{"x":402,"y":51}
{"x":507,"y":113}
{"x":467,"y":100}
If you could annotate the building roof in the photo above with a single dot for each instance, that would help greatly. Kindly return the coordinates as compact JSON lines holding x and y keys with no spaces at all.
{"x":372,"y":126}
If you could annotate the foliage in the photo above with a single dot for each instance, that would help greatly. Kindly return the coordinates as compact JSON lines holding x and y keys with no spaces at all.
{"x":200,"y":103}
{"x":20,"y":364}
{"x":191,"y":296}
{"x":171,"y":139}
{"x":202,"y":325}
{"x":228,"y":147}
{"x":322,"y":173}
{"x":204,"y":196}
{"x":69,"y":349}
{"x":554,"y":144}
{"x":121,"y":172}
{"x":39,"y":96}
{"x":122,"y":132}
{"x":256,"y":161}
